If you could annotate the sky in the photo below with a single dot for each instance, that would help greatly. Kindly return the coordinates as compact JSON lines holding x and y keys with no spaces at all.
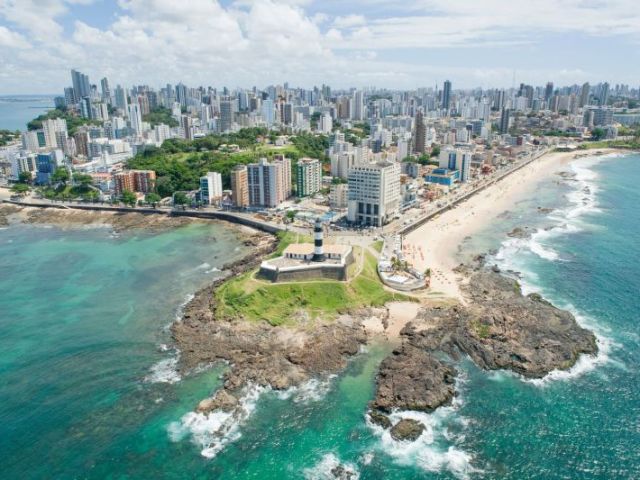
{"x":398,"y":44}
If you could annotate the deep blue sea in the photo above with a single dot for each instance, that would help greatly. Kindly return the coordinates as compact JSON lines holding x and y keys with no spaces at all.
{"x":17,"y":110}
{"x":86,"y":390}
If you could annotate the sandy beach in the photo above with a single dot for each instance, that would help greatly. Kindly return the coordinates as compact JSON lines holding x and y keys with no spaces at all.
{"x":439,"y":238}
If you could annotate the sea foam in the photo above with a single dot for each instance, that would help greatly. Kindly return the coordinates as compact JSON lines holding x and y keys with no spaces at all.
{"x":582,"y":201}
{"x":439,"y":448}
{"x":324,"y":469}
{"x":211,"y":432}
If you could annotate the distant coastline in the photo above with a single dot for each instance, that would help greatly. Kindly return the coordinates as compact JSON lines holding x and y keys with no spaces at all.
{"x":17,"y":110}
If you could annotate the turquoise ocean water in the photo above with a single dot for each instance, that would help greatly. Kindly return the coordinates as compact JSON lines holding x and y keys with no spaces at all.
{"x":86,"y":391}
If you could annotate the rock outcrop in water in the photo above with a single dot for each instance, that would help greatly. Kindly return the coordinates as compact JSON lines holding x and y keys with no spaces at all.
{"x":499,"y":328}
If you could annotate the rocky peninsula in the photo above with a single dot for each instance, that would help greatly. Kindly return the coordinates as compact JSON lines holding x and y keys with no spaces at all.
{"x":498,"y":328}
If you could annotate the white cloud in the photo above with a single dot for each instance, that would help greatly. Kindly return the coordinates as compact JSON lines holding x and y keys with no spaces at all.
{"x":257,"y":42}
{"x":348,"y":21}
{"x":11,"y":39}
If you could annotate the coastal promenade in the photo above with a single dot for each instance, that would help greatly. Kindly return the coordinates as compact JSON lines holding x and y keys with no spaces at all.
{"x":233,"y":217}
{"x":465,"y":195}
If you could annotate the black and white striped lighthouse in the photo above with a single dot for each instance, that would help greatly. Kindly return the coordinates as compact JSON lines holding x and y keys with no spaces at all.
{"x":318,"y":251}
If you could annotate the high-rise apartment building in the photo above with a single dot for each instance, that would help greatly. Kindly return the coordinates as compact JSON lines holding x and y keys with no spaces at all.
{"x":240,"y":186}
{"x":308,"y":177}
{"x":81,"y":85}
{"x":374,"y":193}
{"x":267,"y":182}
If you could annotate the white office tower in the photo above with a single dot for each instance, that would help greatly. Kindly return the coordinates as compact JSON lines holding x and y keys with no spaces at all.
{"x":402,"y":149}
{"x":121,"y":99}
{"x":457,"y":159}
{"x":30,"y":141}
{"x":325,"y":124}
{"x":374,"y":193}
{"x":51,"y":128}
{"x":211,"y":188}
{"x":135,"y":118}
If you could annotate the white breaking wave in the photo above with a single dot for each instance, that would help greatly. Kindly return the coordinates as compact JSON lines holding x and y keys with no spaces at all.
{"x":430,"y":451}
{"x":313,"y":390}
{"x":438,"y":448}
{"x":165,"y":371}
{"x":325,"y":468}
{"x":213,"y":431}
{"x":583,"y":200}
{"x":586,"y":363}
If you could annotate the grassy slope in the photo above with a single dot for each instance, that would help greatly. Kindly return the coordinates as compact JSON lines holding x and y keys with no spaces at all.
{"x":257,"y":300}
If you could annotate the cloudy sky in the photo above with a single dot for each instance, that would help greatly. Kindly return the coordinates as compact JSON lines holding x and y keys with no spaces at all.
{"x":386,"y":43}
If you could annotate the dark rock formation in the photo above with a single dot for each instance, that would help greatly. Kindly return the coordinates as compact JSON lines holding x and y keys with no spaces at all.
{"x":407,"y":429}
{"x":499,"y":329}
{"x":413,"y":379}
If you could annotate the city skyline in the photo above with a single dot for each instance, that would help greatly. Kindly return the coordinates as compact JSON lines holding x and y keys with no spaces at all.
{"x":344,"y":44}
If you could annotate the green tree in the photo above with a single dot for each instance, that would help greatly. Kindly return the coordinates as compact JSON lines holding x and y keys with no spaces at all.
{"x":153,"y":199}
{"x":82,"y":179}
{"x":129,"y":198}
{"x":25,"y":177}
{"x":598,"y":134}
{"x":180,"y":198}
{"x":61,"y":175}
{"x":20,"y":189}
{"x":435,"y":150}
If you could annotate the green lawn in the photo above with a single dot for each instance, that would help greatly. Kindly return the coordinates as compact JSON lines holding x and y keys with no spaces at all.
{"x":377,"y":246}
{"x":257,"y":300}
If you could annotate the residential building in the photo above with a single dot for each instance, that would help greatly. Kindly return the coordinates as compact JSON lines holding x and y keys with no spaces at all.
{"x":143,"y":181}
{"x":308,"y":176}
{"x":339,"y":196}
{"x":211,"y":188}
{"x":374,"y":193}
{"x":266,"y":182}
{"x":240,"y":186}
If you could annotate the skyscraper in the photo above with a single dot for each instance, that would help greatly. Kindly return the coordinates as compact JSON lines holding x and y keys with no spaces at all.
{"x":81,"y":85}
{"x":122,"y":100}
{"x":446,"y":95}
{"x":419,"y":144}
{"x":548,"y":92}
{"x":584,"y":94}
{"x":106,"y":91}
{"x":135,"y":118}
{"x":504,"y":121}
{"x":226,"y":115}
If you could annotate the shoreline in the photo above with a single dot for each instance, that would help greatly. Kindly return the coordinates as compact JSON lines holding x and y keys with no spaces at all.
{"x":439,"y":239}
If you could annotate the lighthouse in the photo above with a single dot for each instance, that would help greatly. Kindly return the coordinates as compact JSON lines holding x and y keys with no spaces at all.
{"x":318,"y":251}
